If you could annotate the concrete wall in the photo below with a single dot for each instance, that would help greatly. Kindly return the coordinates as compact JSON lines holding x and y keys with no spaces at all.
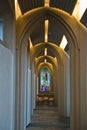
{"x":32,"y":91}
{"x":68,"y":87}
{"x":64,"y":85}
{"x":6,"y":89}
{"x":28,"y":98}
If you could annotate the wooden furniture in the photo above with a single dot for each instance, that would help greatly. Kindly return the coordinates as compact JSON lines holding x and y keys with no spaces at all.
{"x":40,"y":98}
{"x":45,"y":98}
{"x":51,"y":99}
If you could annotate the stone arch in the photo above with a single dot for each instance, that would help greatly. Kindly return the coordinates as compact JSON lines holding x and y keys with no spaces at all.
{"x":60,"y":16}
{"x":40,"y":59}
{"x":53,"y":48}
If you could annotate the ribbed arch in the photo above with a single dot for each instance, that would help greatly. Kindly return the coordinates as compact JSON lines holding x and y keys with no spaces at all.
{"x":50,"y":60}
{"x":32,"y":19}
{"x":57,"y":51}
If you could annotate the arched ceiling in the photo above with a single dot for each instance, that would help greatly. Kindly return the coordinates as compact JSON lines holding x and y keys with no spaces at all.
{"x":50,"y":59}
{"x":51,"y":62}
{"x":55,"y":29}
{"x":55,"y":32}
{"x":52,"y":51}
{"x":65,"y":5}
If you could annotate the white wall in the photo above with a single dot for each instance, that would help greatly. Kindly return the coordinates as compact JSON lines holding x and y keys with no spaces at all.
{"x":68,"y":86}
{"x":6,"y":89}
{"x":34,"y":96}
{"x":37,"y":84}
{"x":28,"y":98}
{"x":33,"y":92}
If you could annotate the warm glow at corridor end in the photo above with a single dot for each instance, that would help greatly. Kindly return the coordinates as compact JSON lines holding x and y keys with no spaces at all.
{"x":17,"y":10}
{"x":79,"y":9}
{"x":63,"y":42}
{"x":46,"y":30}
{"x":45,"y":52}
{"x":46,"y":3}
{"x":45,"y":60}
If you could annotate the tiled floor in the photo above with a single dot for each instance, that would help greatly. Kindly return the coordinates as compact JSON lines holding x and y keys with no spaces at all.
{"x":47,"y":118}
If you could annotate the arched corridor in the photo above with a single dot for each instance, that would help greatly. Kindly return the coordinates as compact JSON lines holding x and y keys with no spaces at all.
{"x":43,"y":49}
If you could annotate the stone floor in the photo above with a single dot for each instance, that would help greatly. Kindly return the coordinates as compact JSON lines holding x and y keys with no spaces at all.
{"x":47,"y":118}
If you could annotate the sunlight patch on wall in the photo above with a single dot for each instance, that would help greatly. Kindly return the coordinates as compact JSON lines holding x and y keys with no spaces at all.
{"x":46,"y":30}
{"x":79,"y":9}
{"x":46,"y":3}
{"x":45,"y":60}
{"x":63,"y":42}
{"x":45,"y":52}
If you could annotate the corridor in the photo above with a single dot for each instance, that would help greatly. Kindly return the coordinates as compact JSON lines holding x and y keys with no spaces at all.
{"x":43,"y":58}
{"x":47,"y":118}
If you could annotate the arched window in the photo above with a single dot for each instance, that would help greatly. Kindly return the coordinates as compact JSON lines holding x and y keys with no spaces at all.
{"x":45,"y":80}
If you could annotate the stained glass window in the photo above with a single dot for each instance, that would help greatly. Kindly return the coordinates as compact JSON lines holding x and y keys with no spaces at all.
{"x":44,"y":80}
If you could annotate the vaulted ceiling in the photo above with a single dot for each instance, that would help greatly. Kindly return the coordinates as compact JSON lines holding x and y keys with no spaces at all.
{"x":55,"y":32}
{"x":55,"y":29}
